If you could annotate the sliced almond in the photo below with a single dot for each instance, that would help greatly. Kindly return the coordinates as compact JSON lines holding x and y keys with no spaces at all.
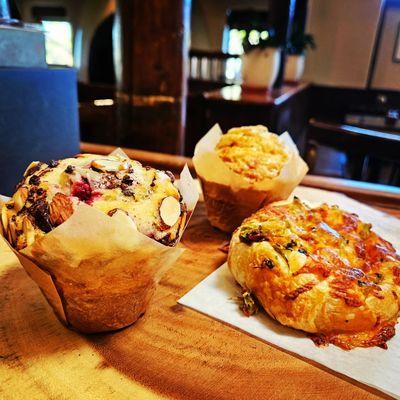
{"x":4,"y":219}
{"x":20,"y":197}
{"x":60,"y":209}
{"x":21,"y":242}
{"x":106,"y":165}
{"x":12,"y":234}
{"x":122,"y":215}
{"x":31,"y":166}
{"x":170,"y":210}
{"x":182,"y":224}
{"x":29,"y":231}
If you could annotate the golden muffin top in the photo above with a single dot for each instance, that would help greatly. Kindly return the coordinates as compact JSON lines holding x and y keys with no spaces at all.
{"x":49,"y":193}
{"x":252,"y":151}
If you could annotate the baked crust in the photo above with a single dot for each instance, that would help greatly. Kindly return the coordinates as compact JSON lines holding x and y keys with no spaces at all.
{"x":253,"y":152}
{"x":320,"y":270}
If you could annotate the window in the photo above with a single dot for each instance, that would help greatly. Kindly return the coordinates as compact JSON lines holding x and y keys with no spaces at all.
{"x":235,"y":41}
{"x":58,"y":36}
{"x":236,"y":38}
{"x":242,"y":25}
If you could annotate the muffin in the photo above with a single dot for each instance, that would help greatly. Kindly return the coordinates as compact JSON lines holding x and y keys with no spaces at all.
{"x":103,"y":228}
{"x":252,"y":152}
{"x":244,"y":169}
{"x":320,"y":270}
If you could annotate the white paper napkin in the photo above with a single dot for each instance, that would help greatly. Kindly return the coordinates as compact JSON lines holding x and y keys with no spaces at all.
{"x":375,"y":367}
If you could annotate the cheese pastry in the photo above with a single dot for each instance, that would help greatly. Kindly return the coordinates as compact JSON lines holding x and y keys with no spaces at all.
{"x":320,"y":270}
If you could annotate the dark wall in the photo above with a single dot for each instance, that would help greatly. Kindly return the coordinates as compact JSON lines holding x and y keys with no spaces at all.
{"x":38,"y":119}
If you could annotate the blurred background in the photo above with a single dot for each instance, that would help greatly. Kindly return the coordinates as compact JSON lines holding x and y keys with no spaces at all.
{"x":157,"y":74}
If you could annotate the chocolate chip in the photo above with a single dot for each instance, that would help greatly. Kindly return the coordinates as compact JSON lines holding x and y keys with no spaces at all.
{"x":31,"y":194}
{"x":34,"y":180}
{"x":52,"y":163}
{"x":147,"y":168}
{"x":128,"y":192}
{"x":127,"y":180}
{"x":40,"y":212}
{"x":153,"y":182}
{"x":40,"y":191}
{"x":10,"y":206}
{"x":110,"y":181}
{"x":69,"y":169}
{"x":167,"y":241}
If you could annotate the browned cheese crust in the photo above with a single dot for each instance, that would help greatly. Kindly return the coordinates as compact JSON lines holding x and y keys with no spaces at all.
{"x":319,"y":270}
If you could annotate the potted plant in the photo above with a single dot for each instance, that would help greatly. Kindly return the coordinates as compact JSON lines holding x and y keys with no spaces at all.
{"x":260,"y":63}
{"x":298,"y":44}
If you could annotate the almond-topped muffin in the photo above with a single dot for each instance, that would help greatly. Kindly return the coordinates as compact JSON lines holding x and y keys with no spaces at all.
{"x":49,"y":193}
{"x":253,"y":152}
{"x":96,"y":233}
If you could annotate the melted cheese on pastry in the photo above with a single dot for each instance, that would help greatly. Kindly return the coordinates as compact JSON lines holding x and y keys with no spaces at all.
{"x":320,"y":270}
{"x":253,"y":152}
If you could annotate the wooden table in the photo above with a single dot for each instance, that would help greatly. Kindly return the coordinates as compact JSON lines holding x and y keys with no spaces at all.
{"x":172,"y":352}
{"x":283,"y":109}
{"x":243,"y":95}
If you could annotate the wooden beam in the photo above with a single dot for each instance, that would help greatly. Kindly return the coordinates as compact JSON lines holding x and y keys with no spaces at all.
{"x":151,"y":56}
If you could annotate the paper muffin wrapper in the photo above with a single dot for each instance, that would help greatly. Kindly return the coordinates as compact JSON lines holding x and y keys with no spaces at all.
{"x":226,"y":208}
{"x":229,"y":197}
{"x":98,"y":272}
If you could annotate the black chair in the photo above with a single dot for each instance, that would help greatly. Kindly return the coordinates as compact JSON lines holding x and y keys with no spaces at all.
{"x":371,"y":155}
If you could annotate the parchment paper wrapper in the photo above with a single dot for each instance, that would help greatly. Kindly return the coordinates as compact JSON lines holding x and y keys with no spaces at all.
{"x":228,"y":196}
{"x":98,"y":272}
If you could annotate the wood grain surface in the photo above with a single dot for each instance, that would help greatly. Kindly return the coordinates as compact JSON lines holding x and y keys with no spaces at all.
{"x":171,"y":352}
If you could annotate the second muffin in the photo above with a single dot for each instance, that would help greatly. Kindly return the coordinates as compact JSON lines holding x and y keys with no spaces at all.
{"x":244,"y":169}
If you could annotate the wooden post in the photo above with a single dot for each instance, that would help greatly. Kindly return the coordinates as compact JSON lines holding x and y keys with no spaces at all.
{"x":151,"y":49}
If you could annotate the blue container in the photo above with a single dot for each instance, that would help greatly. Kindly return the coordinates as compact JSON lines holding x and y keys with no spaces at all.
{"x":38,"y":119}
